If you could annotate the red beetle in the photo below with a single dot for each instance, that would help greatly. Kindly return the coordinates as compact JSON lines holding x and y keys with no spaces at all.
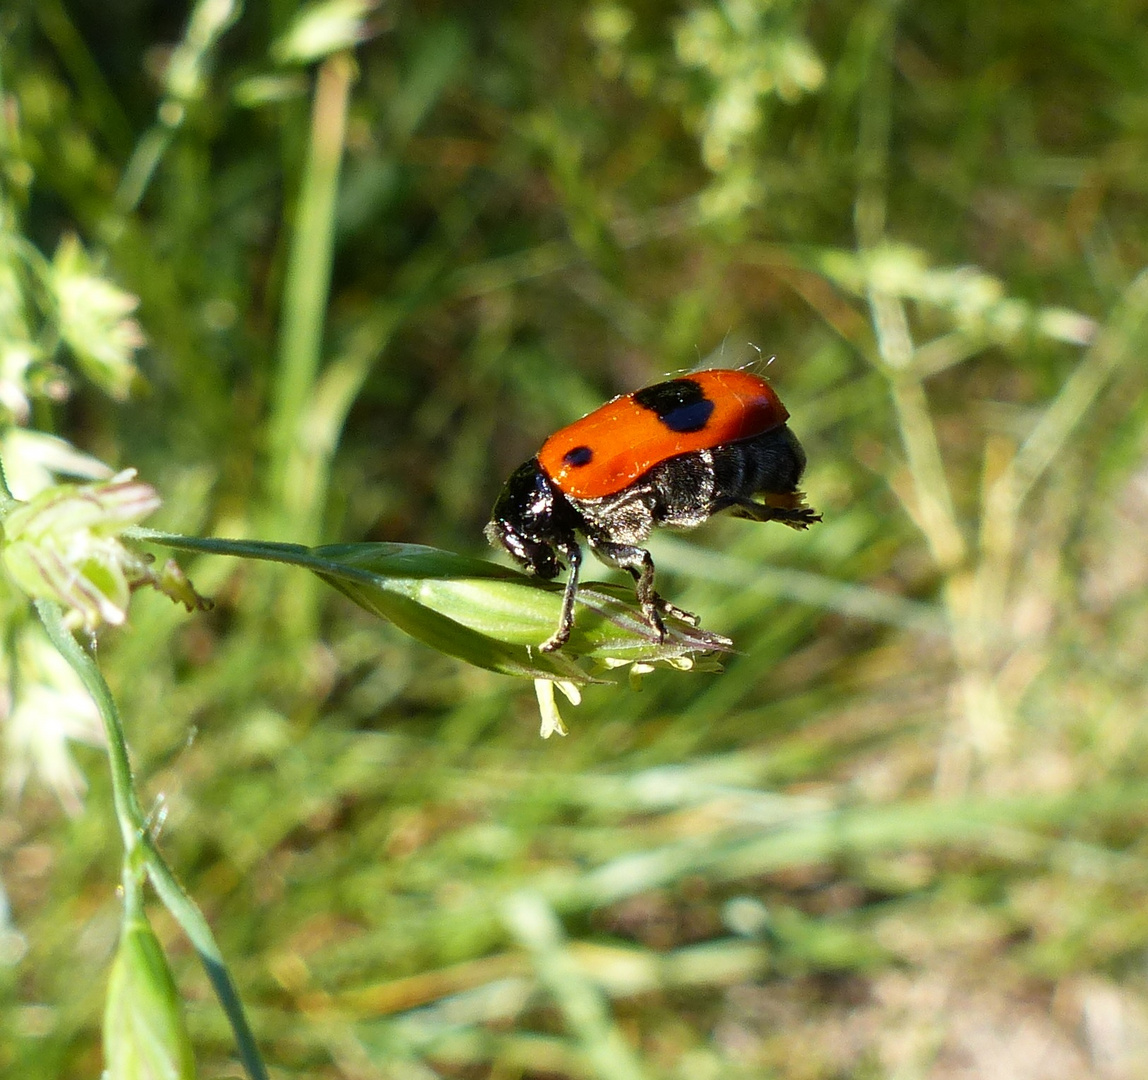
{"x":675,"y":453}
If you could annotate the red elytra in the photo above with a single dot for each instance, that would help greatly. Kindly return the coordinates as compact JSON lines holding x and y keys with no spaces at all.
{"x":610,"y":448}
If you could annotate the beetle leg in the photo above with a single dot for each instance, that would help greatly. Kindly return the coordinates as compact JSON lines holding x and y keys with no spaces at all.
{"x":796,"y":516}
{"x":560,"y":636}
{"x":637,"y":561}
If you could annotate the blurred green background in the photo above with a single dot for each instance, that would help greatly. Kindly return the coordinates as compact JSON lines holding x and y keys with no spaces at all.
{"x":902,"y":835}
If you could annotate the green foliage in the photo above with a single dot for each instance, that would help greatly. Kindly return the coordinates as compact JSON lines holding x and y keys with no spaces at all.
{"x":379,"y":252}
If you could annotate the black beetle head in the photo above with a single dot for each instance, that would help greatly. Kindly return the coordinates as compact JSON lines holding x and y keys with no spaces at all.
{"x":533,"y":520}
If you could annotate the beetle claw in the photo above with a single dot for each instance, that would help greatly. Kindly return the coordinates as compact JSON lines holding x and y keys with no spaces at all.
{"x":676,"y":612}
{"x":555,"y":641}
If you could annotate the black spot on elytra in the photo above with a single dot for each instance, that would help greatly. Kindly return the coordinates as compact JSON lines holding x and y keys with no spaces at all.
{"x":681,"y":404}
{"x":579,"y":455}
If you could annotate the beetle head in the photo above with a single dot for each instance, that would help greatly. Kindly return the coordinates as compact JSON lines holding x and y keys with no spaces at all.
{"x":533,"y":521}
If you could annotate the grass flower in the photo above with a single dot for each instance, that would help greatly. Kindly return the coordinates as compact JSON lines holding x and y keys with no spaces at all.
{"x":548,"y":708}
{"x":64,"y":545}
{"x":33,"y":460}
{"x":95,"y":320}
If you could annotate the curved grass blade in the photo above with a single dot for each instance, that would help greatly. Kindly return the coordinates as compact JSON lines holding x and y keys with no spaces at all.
{"x":486,"y":614}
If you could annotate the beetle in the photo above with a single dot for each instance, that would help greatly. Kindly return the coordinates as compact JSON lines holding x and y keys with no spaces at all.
{"x":674,"y":453}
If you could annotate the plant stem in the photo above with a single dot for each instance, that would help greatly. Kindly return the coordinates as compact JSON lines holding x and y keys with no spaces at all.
{"x":308,"y":277}
{"x":138,"y":842}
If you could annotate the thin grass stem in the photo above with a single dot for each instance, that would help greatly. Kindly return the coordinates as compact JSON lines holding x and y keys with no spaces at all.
{"x":308,"y":282}
{"x":138,"y":840}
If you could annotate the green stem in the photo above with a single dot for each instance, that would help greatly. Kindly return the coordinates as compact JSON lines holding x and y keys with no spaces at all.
{"x":326,"y":568}
{"x":141,"y":167}
{"x":186,"y":72}
{"x":138,"y":841}
{"x":308,"y":273}
{"x":128,"y":811}
{"x":268,"y":551}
